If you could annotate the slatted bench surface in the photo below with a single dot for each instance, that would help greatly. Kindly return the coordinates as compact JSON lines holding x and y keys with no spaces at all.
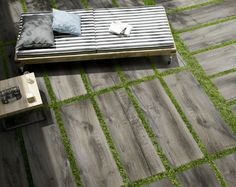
{"x":150,"y":35}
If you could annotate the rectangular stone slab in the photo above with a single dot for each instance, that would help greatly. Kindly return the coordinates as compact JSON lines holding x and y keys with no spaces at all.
{"x":227,"y":167}
{"x":161,"y":183}
{"x":37,"y":5}
{"x":218,"y":60}
{"x":227,"y":85}
{"x":137,"y":153}
{"x":94,"y":159}
{"x":199,"y":176}
{"x":171,"y":132}
{"x":177,"y":3}
{"x":207,"y":36}
{"x":204,"y":118}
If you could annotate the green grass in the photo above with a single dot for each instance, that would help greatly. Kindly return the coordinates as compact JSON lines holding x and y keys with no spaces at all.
{"x":223,"y":73}
{"x":23,"y":5}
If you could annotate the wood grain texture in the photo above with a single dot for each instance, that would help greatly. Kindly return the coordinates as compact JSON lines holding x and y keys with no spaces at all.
{"x":136,"y":68}
{"x":178,"y":3}
{"x":161,"y":183}
{"x":100,"y":3}
{"x":204,"y":37}
{"x":94,"y":159}
{"x":136,"y":151}
{"x":12,"y":170}
{"x":9,"y":16}
{"x":227,"y":85}
{"x":66,"y":81}
{"x":48,"y":161}
{"x":101,"y":74}
{"x":218,"y":60}
{"x":125,"y":3}
{"x":171,"y":132}
{"x":227,"y":167}
{"x":203,"y":15}
{"x":200,"y":176}
{"x":38,"y":5}
{"x":201,"y":113}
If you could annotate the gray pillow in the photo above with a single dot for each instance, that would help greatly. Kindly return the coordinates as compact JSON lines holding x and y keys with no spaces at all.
{"x":65,"y":22}
{"x":36,"y":32}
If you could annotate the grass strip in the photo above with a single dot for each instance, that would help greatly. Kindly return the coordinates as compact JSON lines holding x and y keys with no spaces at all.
{"x":65,"y":139}
{"x":149,"y":2}
{"x":53,"y":3}
{"x":184,"y":8}
{"x":115,"y":3}
{"x":212,"y":47}
{"x":220,"y":74}
{"x":23,"y":5}
{"x":148,"y":129}
{"x":202,"y":25}
{"x":231,"y":102}
{"x":25,"y":156}
{"x":104,"y":128}
{"x":85,"y":4}
{"x":173,"y":71}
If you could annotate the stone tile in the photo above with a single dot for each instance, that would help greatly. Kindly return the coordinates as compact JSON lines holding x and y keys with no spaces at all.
{"x":227,"y":85}
{"x":218,"y":60}
{"x":171,"y":132}
{"x":234,"y":109}
{"x":201,"y":113}
{"x":100,"y":3}
{"x":161,"y":183}
{"x":176,"y":3}
{"x":212,"y":35}
{"x":68,"y":4}
{"x":92,"y":154}
{"x":227,"y":167}
{"x":125,"y":3}
{"x":205,"y":14}
{"x":37,"y":5}
{"x":137,"y":153}
{"x":201,"y":176}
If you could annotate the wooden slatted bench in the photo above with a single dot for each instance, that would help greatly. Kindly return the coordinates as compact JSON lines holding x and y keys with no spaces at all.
{"x":150,"y":36}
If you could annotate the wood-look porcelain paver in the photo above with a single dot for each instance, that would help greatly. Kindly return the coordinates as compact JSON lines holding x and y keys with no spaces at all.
{"x":12,"y":169}
{"x":227,"y":85}
{"x":179,"y":3}
{"x":100,"y":3}
{"x":136,"y":151}
{"x":171,"y":132}
{"x":101,"y":74}
{"x":94,"y":159}
{"x":212,"y":35}
{"x":66,"y":81}
{"x":227,"y":167}
{"x":218,"y":60}
{"x":39,"y":5}
{"x":161,"y":183}
{"x":200,"y":176}
{"x":124,"y":3}
{"x":68,"y":4}
{"x":205,"y":14}
{"x":201,"y":113}
{"x":234,"y":109}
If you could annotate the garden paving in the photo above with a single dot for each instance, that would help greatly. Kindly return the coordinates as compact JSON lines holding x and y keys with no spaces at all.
{"x":44,"y":142}
{"x":227,"y":85}
{"x":234,"y":109}
{"x":227,"y":167}
{"x":218,"y":60}
{"x":162,"y":183}
{"x":212,"y":35}
{"x":206,"y":14}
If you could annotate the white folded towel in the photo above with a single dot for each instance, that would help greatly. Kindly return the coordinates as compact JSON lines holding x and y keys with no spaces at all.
{"x":117,"y":27}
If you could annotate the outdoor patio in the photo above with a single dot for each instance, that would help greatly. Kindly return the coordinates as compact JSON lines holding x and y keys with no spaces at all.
{"x":133,"y":121}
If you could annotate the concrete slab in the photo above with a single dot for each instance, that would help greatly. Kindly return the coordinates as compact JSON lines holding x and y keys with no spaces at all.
{"x":177,"y":3}
{"x":161,"y":183}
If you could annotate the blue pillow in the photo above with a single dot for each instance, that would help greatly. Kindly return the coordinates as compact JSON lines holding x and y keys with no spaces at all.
{"x":65,"y":22}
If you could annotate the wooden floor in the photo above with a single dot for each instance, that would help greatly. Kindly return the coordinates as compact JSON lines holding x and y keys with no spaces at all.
{"x":136,"y":121}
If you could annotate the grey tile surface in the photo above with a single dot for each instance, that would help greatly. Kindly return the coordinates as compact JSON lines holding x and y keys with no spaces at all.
{"x":161,"y":183}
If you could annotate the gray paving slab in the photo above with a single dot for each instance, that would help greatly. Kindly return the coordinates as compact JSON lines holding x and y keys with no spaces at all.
{"x":227,"y":167}
{"x":234,"y":109}
{"x":177,"y":3}
{"x":227,"y":85}
{"x":205,"y":14}
{"x":218,"y":60}
{"x":125,"y":3}
{"x":171,"y":132}
{"x":137,"y":153}
{"x":68,"y":4}
{"x":92,"y":154}
{"x":201,"y":113}
{"x":100,"y":3}
{"x":101,"y":74}
{"x":200,"y":176}
{"x":12,"y":170}
{"x":212,"y":35}
{"x":161,"y":183}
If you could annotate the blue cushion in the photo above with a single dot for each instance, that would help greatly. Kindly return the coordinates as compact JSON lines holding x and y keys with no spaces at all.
{"x":65,"y":22}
